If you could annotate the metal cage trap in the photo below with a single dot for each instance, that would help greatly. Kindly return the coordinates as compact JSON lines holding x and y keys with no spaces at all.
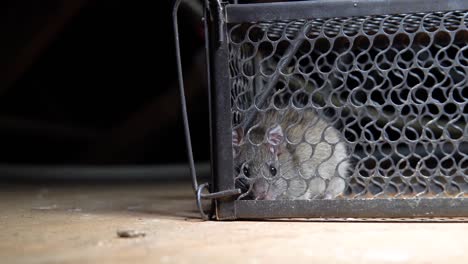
{"x":337,"y":109}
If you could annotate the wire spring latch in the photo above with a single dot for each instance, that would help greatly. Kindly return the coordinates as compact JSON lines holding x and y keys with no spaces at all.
{"x":196,"y":187}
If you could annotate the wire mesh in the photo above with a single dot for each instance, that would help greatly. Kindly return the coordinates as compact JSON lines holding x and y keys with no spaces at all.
{"x":350,"y":107}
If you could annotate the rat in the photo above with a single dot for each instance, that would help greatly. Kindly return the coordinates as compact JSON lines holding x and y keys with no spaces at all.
{"x":290,"y":154}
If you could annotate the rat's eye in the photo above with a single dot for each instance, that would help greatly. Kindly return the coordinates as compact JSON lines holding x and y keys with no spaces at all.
{"x":273,"y":170}
{"x":246,"y":171}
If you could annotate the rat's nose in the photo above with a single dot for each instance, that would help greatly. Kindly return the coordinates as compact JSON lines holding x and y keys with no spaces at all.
{"x":261,"y":196}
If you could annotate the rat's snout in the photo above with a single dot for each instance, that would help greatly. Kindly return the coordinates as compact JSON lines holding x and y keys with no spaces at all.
{"x":261,"y":196}
{"x":261,"y":189}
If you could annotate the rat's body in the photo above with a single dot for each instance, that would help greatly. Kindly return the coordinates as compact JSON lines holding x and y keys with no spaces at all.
{"x":290,"y":155}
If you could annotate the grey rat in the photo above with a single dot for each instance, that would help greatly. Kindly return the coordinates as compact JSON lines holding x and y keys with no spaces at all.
{"x":290,"y":154}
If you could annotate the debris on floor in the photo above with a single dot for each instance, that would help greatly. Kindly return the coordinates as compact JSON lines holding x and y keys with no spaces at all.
{"x":130,"y":233}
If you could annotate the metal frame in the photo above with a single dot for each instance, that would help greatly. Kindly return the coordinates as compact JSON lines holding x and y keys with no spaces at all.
{"x":334,"y":8}
{"x":356,"y":208}
{"x":228,"y":207}
{"x":221,"y":110}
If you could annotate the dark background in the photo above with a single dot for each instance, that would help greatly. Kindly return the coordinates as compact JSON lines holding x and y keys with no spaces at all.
{"x":94,"y":82}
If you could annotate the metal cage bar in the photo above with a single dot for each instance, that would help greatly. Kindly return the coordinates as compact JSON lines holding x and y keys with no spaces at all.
{"x":238,"y":13}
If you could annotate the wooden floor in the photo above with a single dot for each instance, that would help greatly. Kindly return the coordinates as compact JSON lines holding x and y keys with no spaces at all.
{"x":63,"y":224}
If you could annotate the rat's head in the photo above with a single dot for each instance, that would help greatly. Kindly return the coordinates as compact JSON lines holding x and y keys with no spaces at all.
{"x":258,"y":165}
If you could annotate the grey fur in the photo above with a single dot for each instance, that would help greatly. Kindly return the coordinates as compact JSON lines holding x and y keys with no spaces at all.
{"x":310,"y":158}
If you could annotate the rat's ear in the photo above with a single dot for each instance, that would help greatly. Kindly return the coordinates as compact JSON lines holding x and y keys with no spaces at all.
{"x":237,"y":136}
{"x":275,"y":135}
{"x":237,"y":140}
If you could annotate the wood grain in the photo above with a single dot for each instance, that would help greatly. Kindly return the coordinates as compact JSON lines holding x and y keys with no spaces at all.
{"x":78,"y":224}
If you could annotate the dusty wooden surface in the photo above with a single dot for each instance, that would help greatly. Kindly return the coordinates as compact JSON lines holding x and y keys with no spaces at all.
{"x":53,"y":224}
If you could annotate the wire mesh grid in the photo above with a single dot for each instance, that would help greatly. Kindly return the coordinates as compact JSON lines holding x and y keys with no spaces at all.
{"x":350,"y":107}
